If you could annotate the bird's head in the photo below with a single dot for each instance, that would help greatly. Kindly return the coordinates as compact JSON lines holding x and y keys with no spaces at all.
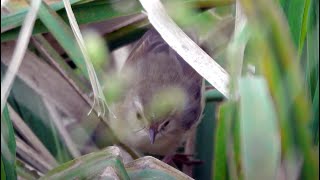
{"x":160,"y":113}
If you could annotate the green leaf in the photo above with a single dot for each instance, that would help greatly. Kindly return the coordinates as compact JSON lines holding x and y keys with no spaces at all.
{"x":148,"y":167}
{"x":278,"y":62}
{"x":26,"y":173}
{"x":3,"y":172}
{"x":204,"y":142}
{"x":8,"y":146}
{"x":14,"y":20}
{"x":47,"y":50}
{"x":297,"y":12}
{"x":220,"y":151}
{"x":315,"y":108}
{"x":312,"y":66}
{"x":95,"y":11}
{"x":259,"y":132}
{"x":90,"y":166}
{"x":63,"y":34}
{"x":29,"y":105}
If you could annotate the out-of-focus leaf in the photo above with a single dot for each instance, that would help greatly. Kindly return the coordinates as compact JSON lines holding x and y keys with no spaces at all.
{"x":12,"y":20}
{"x":91,"y":166}
{"x":278,"y":62}
{"x":205,"y":134}
{"x":29,"y":155}
{"x":25,"y":172}
{"x":315,"y":108}
{"x":127,"y":34}
{"x":259,"y":131}
{"x":50,"y":54}
{"x":63,"y":34}
{"x":3,"y":172}
{"x":221,"y":140}
{"x":312,"y":65}
{"x":297,"y":12}
{"x":8,"y":146}
{"x":29,"y":105}
{"x":149,"y":167}
{"x":107,"y":164}
{"x":27,"y":134}
{"x":90,"y":12}
{"x":19,"y":51}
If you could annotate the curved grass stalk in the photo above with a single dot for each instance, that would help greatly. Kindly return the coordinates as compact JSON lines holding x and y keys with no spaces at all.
{"x":99,"y":98}
{"x":185,"y":47}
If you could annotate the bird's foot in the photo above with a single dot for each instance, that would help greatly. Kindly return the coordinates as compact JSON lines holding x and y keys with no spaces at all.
{"x":185,"y":159}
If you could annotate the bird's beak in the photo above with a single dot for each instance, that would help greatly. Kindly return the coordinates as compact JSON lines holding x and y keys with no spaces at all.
{"x":152,"y":134}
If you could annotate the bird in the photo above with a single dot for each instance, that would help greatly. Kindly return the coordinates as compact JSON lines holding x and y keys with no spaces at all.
{"x":163,"y":101}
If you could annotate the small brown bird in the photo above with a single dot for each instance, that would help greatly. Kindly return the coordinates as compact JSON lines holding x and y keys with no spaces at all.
{"x":163,"y":102}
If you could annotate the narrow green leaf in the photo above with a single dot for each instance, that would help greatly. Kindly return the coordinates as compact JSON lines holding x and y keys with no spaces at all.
{"x":3,"y":172}
{"x":90,"y":166}
{"x":278,"y":61}
{"x":220,"y":147}
{"x":13,"y":20}
{"x":47,"y":49}
{"x":148,"y":167}
{"x":26,"y":173}
{"x":85,"y":13}
{"x":315,"y":108}
{"x":297,"y":14}
{"x":8,"y":146}
{"x":63,"y":34}
{"x":260,"y":140}
{"x":28,"y":104}
{"x":204,"y":137}
{"x":89,"y":12}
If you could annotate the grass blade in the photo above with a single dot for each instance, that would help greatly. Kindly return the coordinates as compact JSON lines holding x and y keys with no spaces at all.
{"x":297,"y":14}
{"x":99,"y":10}
{"x":315,"y":108}
{"x":259,"y":131}
{"x":97,"y":90}
{"x":30,"y":137}
{"x":20,"y":49}
{"x":280,"y":66}
{"x":63,"y":34}
{"x":8,"y":146}
{"x":15,"y":19}
{"x":3,"y":172}
{"x":220,"y":150}
{"x":205,"y":131}
{"x":185,"y":47}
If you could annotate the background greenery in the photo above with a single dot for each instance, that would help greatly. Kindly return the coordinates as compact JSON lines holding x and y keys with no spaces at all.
{"x":270,"y":132}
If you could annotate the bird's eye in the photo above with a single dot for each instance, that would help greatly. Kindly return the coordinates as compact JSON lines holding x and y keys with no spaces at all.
{"x":165,"y":125}
{"x":138,"y":115}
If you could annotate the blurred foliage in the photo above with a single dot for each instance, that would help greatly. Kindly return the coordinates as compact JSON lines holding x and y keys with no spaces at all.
{"x":271,"y":131}
{"x":8,"y":147}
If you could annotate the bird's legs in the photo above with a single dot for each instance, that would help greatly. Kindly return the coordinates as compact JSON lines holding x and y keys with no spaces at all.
{"x":185,"y":159}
